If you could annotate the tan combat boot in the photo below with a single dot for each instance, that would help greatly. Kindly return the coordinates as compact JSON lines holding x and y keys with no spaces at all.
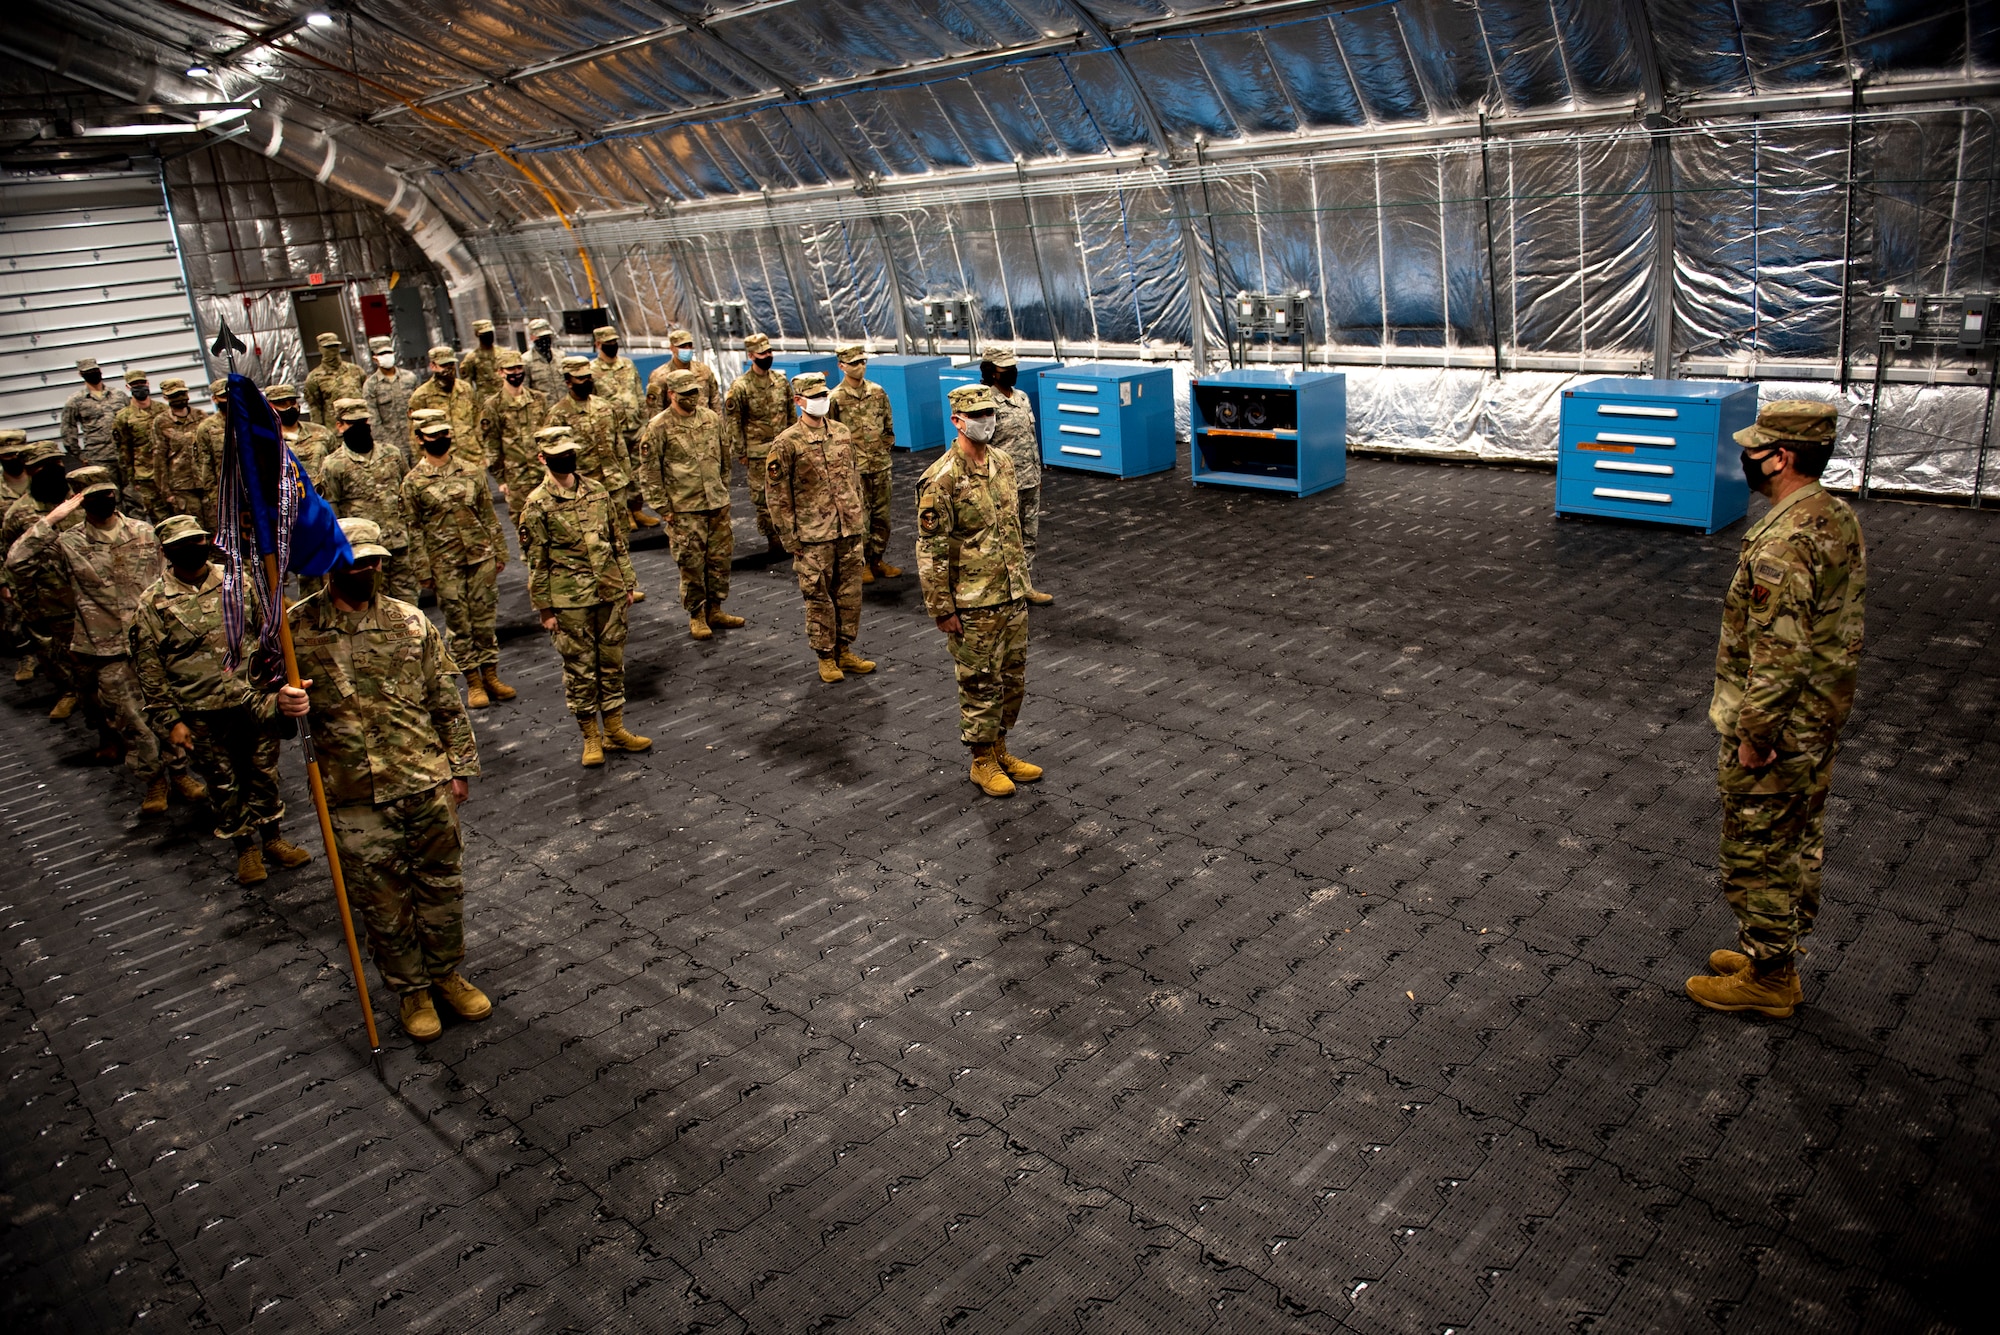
{"x":849,"y":661}
{"x":467,"y":1001}
{"x":593,"y":744}
{"x":722,"y":620}
{"x":1775,"y":992}
{"x":986,"y":772}
{"x":615,"y":734}
{"x":1040,"y":599}
{"x":285,"y":853}
{"x":829,"y":671}
{"x":640,"y":519}
{"x":475,"y":692}
{"x":698,"y":627}
{"x":155,"y":801}
{"x":868,"y":573}
{"x":25,"y":672}
{"x":638,"y":596}
{"x":1019,"y":770}
{"x":883,"y":570}
{"x":64,"y":707}
{"x":1735,"y":961}
{"x":496,"y":689}
{"x":420,"y":1018}
{"x":188,"y":788}
{"x":250,"y":866}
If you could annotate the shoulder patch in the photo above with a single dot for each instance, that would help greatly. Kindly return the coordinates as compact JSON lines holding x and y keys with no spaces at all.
{"x":928,"y":521}
{"x":1767,"y":571}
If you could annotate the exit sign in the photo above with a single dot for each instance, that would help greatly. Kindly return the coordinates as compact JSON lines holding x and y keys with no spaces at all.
{"x":315,"y":279}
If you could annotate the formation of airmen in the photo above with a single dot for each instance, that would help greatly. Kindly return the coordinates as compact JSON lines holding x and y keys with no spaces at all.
{"x":110,"y":584}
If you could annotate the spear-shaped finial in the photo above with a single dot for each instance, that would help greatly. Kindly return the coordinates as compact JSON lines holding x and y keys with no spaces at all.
{"x":226,"y":345}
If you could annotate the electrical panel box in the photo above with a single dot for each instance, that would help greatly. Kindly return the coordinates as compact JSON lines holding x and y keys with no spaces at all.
{"x":1027,"y":379}
{"x":912,"y":385}
{"x":1658,"y":450}
{"x":1274,"y":428}
{"x":796,"y":364}
{"x":1108,"y":419}
{"x":727,"y":320}
{"x":1975,"y":322}
{"x":580,"y":323}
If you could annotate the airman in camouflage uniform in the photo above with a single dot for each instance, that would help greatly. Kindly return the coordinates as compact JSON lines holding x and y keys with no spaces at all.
{"x":862,"y":406}
{"x":387,"y":392}
{"x":40,"y":598}
{"x":363,"y":479}
{"x":681,"y":342}
{"x":88,"y":415}
{"x":581,"y":583}
{"x":756,"y":408}
{"x":447,"y":392}
{"x":616,"y":379}
{"x":685,"y":475}
{"x":308,"y":441}
{"x":211,"y":438}
{"x":1016,"y":436}
{"x":975,"y":580}
{"x":597,"y":425}
{"x":334,"y":378}
{"x":508,"y":420}
{"x":1784,"y":686}
{"x":13,"y":467}
{"x":813,"y":488}
{"x":452,"y":520}
{"x":180,"y":654}
{"x":134,"y":433}
{"x":396,"y":752}
{"x":185,"y":469}
{"x":480,"y":368}
{"x":109,"y":561}
{"x":544,"y":365}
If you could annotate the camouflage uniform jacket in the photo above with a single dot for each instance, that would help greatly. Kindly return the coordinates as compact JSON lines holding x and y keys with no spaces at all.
{"x":545,"y":373}
{"x":40,"y":588}
{"x":1791,"y":629}
{"x":480,"y":369}
{"x":370,"y":486}
{"x":388,"y":400}
{"x":386,"y":718}
{"x":182,"y":460}
{"x":574,"y":546}
{"x":812,"y":488}
{"x":135,"y":432}
{"x":681,"y":463}
{"x":326,"y":383}
{"x":1015,"y":436}
{"x":108,"y":570}
{"x":969,"y":551}
{"x":451,"y":514}
{"x":656,"y":386}
{"x":618,"y":384}
{"x":461,"y":405}
{"x":756,"y":408}
{"x":600,"y":439}
{"x":11,"y":490}
{"x":508,"y":421}
{"x":865,"y":414}
{"x":309,"y":443}
{"x":87,"y":419}
{"x":179,"y":648}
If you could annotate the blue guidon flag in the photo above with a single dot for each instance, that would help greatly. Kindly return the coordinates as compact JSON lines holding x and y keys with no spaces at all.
{"x":263,"y":483}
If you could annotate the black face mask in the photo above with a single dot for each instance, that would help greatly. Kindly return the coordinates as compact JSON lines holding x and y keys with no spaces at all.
{"x":289,"y":416}
{"x":93,"y":378}
{"x":517,"y":378}
{"x":762,"y":361}
{"x":358,"y":436}
{"x":445,"y":378}
{"x":49,"y":485}
{"x":1003,"y":378}
{"x":101,"y":505}
{"x":141,"y":392}
{"x":188,"y":559}
{"x":544,"y":343}
{"x":562,"y":465}
{"x":610,"y":350}
{"x":687,"y":403}
{"x":13,"y":467}
{"x":437,"y":446}
{"x":355,"y":586}
{"x":580,"y":389}
{"x":486,"y":340}
{"x":1753,"y":472}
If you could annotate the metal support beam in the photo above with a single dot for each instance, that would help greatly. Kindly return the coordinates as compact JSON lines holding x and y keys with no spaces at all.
{"x":1847,"y":239}
{"x":1660,"y":180}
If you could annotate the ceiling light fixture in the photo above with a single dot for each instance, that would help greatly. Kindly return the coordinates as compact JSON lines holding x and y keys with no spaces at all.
{"x":197,"y":71}
{"x":319,"y":20}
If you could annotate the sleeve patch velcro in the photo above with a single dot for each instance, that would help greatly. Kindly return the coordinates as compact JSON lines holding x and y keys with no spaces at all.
{"x":1768,"y":572}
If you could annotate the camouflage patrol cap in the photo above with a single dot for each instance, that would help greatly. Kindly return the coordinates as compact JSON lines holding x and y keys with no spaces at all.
{"x":179,"y":528}
{"x":810,"y":385}
{"x":381,"y":343}
{"x":538,"y":326}
{"x":90,"y":478}
{"x":683,"y":381}
{"x":430,"y":421}
{"x":850,"y":352}
{"x":86,"y":364}
{"x":364,"y":536}
{"x":282,"y":393}
{"x":350,"y":410}
{"x":578,"y":367}
{"x":998,"y":354}
{"x":974,"y":399}
{"x":444,"y":355}
{"x":133,"y":375}
{"x":508,"y":359}
{"x":329,"y":340}
{"x":173,"y":385}
{"x":553,"y":437}
{"x":13,"y":441}
{"x":41,"y":452}
{"x":603,"y":333}
{"x":482,"y":326}
{"x":1790,"y":421}
{"x":218,"y":387}
{"x":757,"y":343}
{"x":680,"y":338}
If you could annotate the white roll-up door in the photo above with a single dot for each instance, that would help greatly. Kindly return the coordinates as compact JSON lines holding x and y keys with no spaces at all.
{"x":88,"y":268}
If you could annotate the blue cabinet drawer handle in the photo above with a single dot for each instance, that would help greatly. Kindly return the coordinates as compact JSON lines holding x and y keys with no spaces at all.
{"x":1616,"y":494}
{"x":1616,"y":466}
{"x":1635,"y":410}
{"x":1623,"y":438}
{"x":1077,"y":408}
{"x":1080,"y":430}
{"x":1076,"y":389}
{"x":1078,"y":449}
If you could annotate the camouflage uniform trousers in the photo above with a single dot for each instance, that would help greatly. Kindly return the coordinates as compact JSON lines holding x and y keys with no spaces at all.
{"x":106,"y":456}
{"x":197,"y":502}
{"x":829,"y":575}
{"x":238,"y":757}
{"x":143,"y":499}
{"x":1773,"y":848}
{"x":759,"y":476}
{"x":1031,"y":522}
{"x":704,"y":543}
{"x":990,"y":659}
{"x":403,"y":863}
{"x":876,"y":497}
{"x":591,"y":641}
{"x":398,"y":579}
{"x":470,"y":599}
{"x":48,"y":643}
{"x":112,"y":687}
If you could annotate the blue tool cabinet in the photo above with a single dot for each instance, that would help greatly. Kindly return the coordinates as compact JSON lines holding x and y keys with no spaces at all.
{"x":1108,"y":419}
{"x":1027,"y":379}
{"x":912,"y":386}
{"x":1657,"y":450}
{"x":1276,"y":428}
